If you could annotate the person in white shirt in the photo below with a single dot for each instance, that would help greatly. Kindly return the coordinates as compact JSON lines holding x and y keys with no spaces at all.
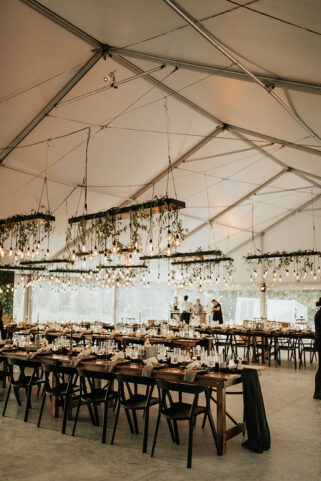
{"x":186,"y":310}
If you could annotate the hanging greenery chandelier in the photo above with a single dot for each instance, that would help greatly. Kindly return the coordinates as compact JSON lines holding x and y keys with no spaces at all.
{"x":297,"y":265}
{"x":24,"y":236}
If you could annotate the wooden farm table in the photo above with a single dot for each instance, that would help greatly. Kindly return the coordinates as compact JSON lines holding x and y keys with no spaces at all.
{"x":216,"y":380}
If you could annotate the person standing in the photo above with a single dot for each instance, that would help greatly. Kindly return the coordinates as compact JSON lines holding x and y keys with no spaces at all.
{"x":198,"y":309}
{"x":317,"y":344}
{"x":217,"y":311}
{"x":2,"y":330}
{"x":186,"y":310}
{"x":175,"y":304}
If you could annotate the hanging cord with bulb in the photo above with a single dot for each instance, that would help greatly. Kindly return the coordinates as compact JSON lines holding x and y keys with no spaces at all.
{"x":211,"y":229}
{"x":85,"y":181}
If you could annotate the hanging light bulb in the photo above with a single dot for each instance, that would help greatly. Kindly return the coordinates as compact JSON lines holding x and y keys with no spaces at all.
{"x":169,"y":236}
{"x":73,"y":256}
{"x":251,"y":279}
{"x":297,"y":277}
{"x":314,"y":276}
{"x":114,"y":248}
{"x":95,"y":253}
{"x":47,"y":253}
{"x":287,"y":273}
{"x":265,"y":273}
{"x":10,"y":252}
{"x":83,"y":248}
{"x":151,"y":248}
{"x":280,"y":278}
{"x":158,"y":278}
{"x":28,"y":252}
{"x":255,"y":273}
{"x":177,"y":241}
{"x":168,"y":250}
{"x":274,"y":274}
{"x":33,"y":254}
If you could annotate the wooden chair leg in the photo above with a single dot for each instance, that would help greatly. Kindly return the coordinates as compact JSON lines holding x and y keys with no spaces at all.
{"x":135,"y":421}
{"x":115,"y":423}
{"x":105,"y":418}
{"x":170,"y":427}
{"x":44,"y":395}
{"x":190,"y":443}
{"x":146,"y":430}
{"x":129,"y":421}
{"x":28,"y":403}
{"x":16,"y":393}
{"x":6,"y":401}
{"x":176,"y":432}
{"x":155,"y":435}
{"x":76,"y":417}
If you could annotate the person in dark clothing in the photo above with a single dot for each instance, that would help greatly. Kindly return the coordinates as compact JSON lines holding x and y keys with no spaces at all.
{"x":317,"y":323}
{"x":2,"y":330}
{"x":217,"y":311}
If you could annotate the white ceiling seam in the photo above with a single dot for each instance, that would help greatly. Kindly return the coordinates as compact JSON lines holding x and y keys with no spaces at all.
{"x":210,"y":38}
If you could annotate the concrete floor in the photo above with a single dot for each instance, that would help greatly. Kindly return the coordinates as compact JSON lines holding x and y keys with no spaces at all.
{"x":28,"y":453}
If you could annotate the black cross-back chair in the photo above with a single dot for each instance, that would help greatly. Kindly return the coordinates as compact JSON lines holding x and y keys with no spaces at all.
{"x":132,"y":401}
{"x":4,"y":373}
{"x":93,"y":396}
{"x":182,"y":411}
{"x":61,"y":384}
{"x":23,"y":381}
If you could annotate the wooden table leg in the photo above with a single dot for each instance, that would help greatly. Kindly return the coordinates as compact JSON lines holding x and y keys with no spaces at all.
{"x":221,"y":417}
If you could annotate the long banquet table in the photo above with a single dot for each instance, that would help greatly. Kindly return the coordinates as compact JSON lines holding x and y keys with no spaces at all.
{"x":216,"y":380}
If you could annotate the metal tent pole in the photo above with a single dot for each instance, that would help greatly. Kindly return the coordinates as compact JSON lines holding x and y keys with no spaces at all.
{"x":114,"y":85}
{"x":50,"y":105}
{"x":238,"y":202}
{"x":274,"y":159}
{"x":212,"y":40}
{"x":307,"y":87}
{"x":92,"y":41}
{"x":275,"y":224}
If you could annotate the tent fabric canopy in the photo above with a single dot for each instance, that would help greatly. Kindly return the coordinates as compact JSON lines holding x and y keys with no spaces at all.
{"x":229,"y":137}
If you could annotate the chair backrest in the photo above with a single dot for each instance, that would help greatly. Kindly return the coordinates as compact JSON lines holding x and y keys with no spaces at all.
{"x":146,"y":381}
{"x":106,"y":376}
{"x":22,"y":364}
{"x":126,"y":380}
{"x":165,"y":390}
{"x":58,"y":369}
{"x":180,"y":387}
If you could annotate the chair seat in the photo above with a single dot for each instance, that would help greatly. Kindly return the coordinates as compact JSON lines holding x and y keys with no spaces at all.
{"x":97,"y":395}
{"x":138,"y":401}
{"x":181,"y":411}
{"x":25,"y":381}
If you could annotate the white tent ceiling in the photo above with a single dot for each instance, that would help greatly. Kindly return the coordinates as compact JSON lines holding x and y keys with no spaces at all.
{"x":41,"y":52}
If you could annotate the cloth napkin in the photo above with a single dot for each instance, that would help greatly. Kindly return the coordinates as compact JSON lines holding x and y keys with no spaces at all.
{"x":86,"y":354}
{"x":148,"y":368}
{"x":42,"y":350}
{"x":116,"y":359}
{"x":190,"y":373}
